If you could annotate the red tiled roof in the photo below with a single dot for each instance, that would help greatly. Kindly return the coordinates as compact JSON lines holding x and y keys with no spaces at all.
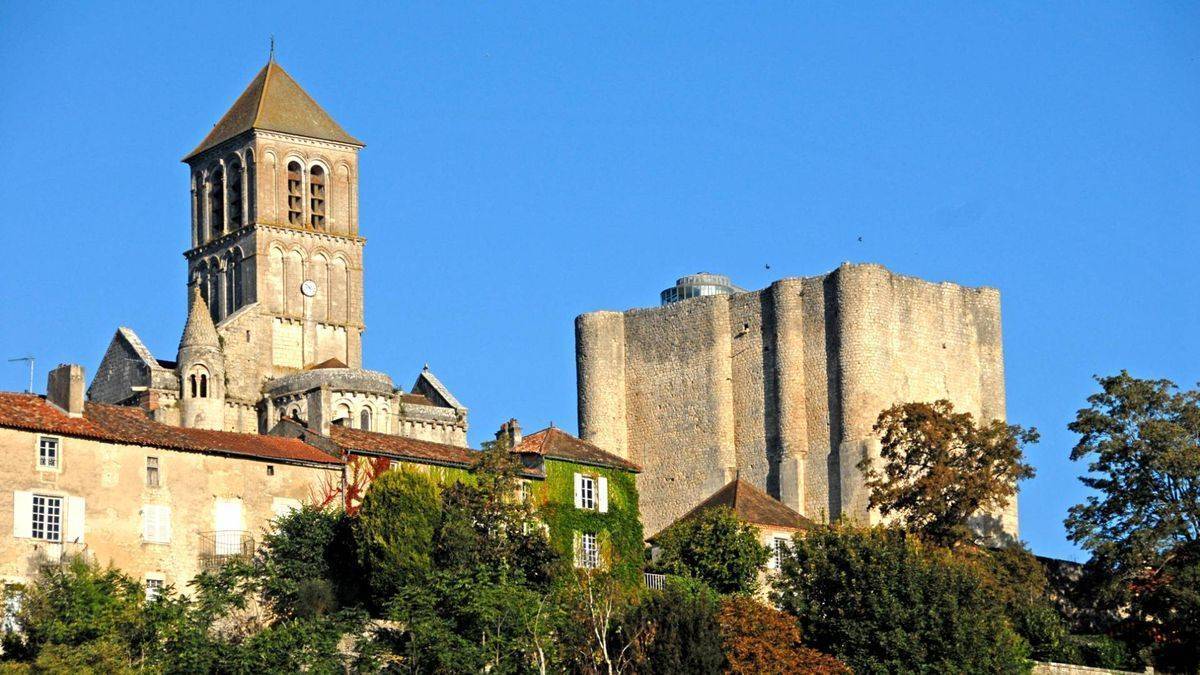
{"x":403,"y":448}
{"x":120,"y":424}
{"x":752,"y":505}
{"x":558,"y":444}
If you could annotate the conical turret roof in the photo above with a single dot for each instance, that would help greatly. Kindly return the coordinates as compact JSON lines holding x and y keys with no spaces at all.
{"x":274,"y":102}
{"x":199,"y":330}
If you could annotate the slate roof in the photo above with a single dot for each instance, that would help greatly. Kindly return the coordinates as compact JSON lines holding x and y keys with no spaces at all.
{"x":121,"y":424}
{"x":555,"y":443}
{"x":752,"y":505}
{"x":411,"y":449}
{"x":274,"y":102}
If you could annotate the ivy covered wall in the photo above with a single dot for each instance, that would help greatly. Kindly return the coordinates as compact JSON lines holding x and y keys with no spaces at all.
{"x":619,"y":532}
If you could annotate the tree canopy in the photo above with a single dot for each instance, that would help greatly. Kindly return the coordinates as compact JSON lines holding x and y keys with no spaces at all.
{"x":714,"y":547}
{"x":940,"y":469}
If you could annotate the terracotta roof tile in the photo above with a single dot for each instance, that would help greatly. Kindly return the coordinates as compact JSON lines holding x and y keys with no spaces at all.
{"x":555,"y":443}
{"x":120,"y":424}
{"x":752,"y":505}
{"x":403,"y":448}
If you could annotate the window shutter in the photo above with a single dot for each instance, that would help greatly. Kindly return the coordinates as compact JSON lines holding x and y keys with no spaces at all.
{"x":149,"y":523}
{"x":577,"y":539}
{"x":23,"y":514}
{"x":74,"y":529}
{"x":578,"y":491}
{"x":156,"y":523}
{"x":164,"y":523}
{"x":602,"y":501}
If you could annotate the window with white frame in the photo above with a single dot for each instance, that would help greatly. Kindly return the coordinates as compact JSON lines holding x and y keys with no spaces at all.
{"x":156,"y":524}
{"x":778,"y":548}
{"x":588,"y":551}
{"x":47,"y":518}
{"x":591,"y":492}
{"x":154,"y":588}
{"x":525,"y":494}
{"x":48,"y":458}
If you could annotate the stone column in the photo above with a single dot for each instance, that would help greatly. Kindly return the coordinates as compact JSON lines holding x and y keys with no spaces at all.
{"x":600,"y":368}
{"x":864,"y":298}
{"x":792,"y":422}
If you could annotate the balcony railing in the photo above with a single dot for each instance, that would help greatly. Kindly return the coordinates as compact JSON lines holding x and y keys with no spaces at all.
{"x":655,"y":581}
{"x":222,"y":546}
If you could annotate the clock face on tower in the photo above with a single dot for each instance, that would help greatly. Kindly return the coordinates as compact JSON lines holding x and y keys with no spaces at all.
{"x":308,"y":288}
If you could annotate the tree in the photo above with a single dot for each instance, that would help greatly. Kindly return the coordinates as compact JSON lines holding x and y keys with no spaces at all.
{"x":677,"y":629}
{"x":596,"y":635}
{"x":880,"y":600}
{"x":940,"y":469}
{"x":761,"y":640}
{"x":307,"y":565}
{"x":1017,"y":578}
{"x":1141,"y":439}
{"x":394,"y":532}
{"x":714,"y":547}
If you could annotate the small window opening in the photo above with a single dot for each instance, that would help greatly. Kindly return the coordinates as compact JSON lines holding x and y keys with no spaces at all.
{"x":316,"y":191}
{"x":216,"y":202}
{"x":364,"y":420}
{"x":235,"y":195}
{"x":152,"y":472}
{"x":47,"y":453}
{"x":192,"y":379}
{"x":295,"y":190}
{"x":270,"y":470}
{"x":203,"y":386}
{"x":154,"y":588}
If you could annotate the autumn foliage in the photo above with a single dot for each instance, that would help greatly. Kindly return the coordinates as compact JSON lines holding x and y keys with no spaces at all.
{"x":762,"y":640}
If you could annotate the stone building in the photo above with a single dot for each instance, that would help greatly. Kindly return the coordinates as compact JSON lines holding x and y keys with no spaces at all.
{"x":781,"y":386}
{"x":160,"y":502}
{"x":275,"y":300}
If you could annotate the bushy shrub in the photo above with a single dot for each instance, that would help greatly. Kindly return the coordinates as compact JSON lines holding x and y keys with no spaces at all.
{"x":714,"y":547}
{"x":761,"y":640}
{"x":395,"y":530}
{"x":883,"y":602}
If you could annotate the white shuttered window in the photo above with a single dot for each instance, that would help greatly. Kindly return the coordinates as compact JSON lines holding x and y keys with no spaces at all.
{"x":156,"y":524}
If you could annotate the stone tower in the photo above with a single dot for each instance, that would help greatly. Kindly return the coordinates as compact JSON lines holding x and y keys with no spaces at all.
{"x":275,"y":246}
{"x":781,"y":386}
{"x":200,"y":366}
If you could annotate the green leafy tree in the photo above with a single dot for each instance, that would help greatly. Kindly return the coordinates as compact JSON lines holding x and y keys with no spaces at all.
{"x":882,"y":601}
{"x":714,"y":547}
{"x":1141,"y":439}
{"x":394,"y":532}
{"x":940,"y":469}
{"x":677,"y":629}
{"x":307,"y":565}
{"x":1019,"y":581}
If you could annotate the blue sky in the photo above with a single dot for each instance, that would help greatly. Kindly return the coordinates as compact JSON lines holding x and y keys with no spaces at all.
{"x":527,"y":163}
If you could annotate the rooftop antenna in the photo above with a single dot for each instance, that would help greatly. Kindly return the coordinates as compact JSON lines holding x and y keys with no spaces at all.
{"x":272,"y":56}
{"x":30,"y":360}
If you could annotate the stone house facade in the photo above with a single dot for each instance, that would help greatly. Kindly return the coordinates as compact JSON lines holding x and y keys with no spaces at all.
{"x":781,"y":386}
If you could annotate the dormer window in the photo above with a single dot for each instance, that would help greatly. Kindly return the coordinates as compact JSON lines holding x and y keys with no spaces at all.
{"x":295,"y":190}
{"x":316,"y":192}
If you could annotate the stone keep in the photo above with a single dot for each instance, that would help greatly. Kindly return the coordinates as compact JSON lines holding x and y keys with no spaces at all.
{"x":782,"y":386}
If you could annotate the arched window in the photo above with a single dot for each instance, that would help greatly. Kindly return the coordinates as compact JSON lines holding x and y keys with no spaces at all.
{"x":216,"y":202}
{"x":203,"y":385}
{"x":295,"y":190}
{"x":341,"y":415}
{"x":364,"y":419}
{"x":316,"y":192}
{"x":214,"y":290}
{"x":195,"y":390}
{"x":198,"y":382}
{"x":251,"y":188}
{"x":238,"y":273}
{"x":236,"y":190}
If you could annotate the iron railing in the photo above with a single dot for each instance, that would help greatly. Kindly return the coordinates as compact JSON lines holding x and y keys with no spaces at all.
{"x":222,"y":546}
{"x":655,"y":581}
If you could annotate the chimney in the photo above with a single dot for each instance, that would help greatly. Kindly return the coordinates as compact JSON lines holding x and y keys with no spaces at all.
{"x":64,"y":388}
{"x":510,"y":434}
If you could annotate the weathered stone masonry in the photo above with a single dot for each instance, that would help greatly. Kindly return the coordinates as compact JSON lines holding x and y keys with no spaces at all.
{"x":781,"y":386}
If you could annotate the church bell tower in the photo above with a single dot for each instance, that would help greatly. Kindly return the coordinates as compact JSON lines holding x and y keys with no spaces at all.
{"x":275,"y":251}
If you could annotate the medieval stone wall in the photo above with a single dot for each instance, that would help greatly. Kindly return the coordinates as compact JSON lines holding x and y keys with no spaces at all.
{"x":781,"y":385}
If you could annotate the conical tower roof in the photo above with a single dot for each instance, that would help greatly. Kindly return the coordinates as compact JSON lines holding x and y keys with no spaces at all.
{"x":274,"y":102}
{"x":199,"y":330}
